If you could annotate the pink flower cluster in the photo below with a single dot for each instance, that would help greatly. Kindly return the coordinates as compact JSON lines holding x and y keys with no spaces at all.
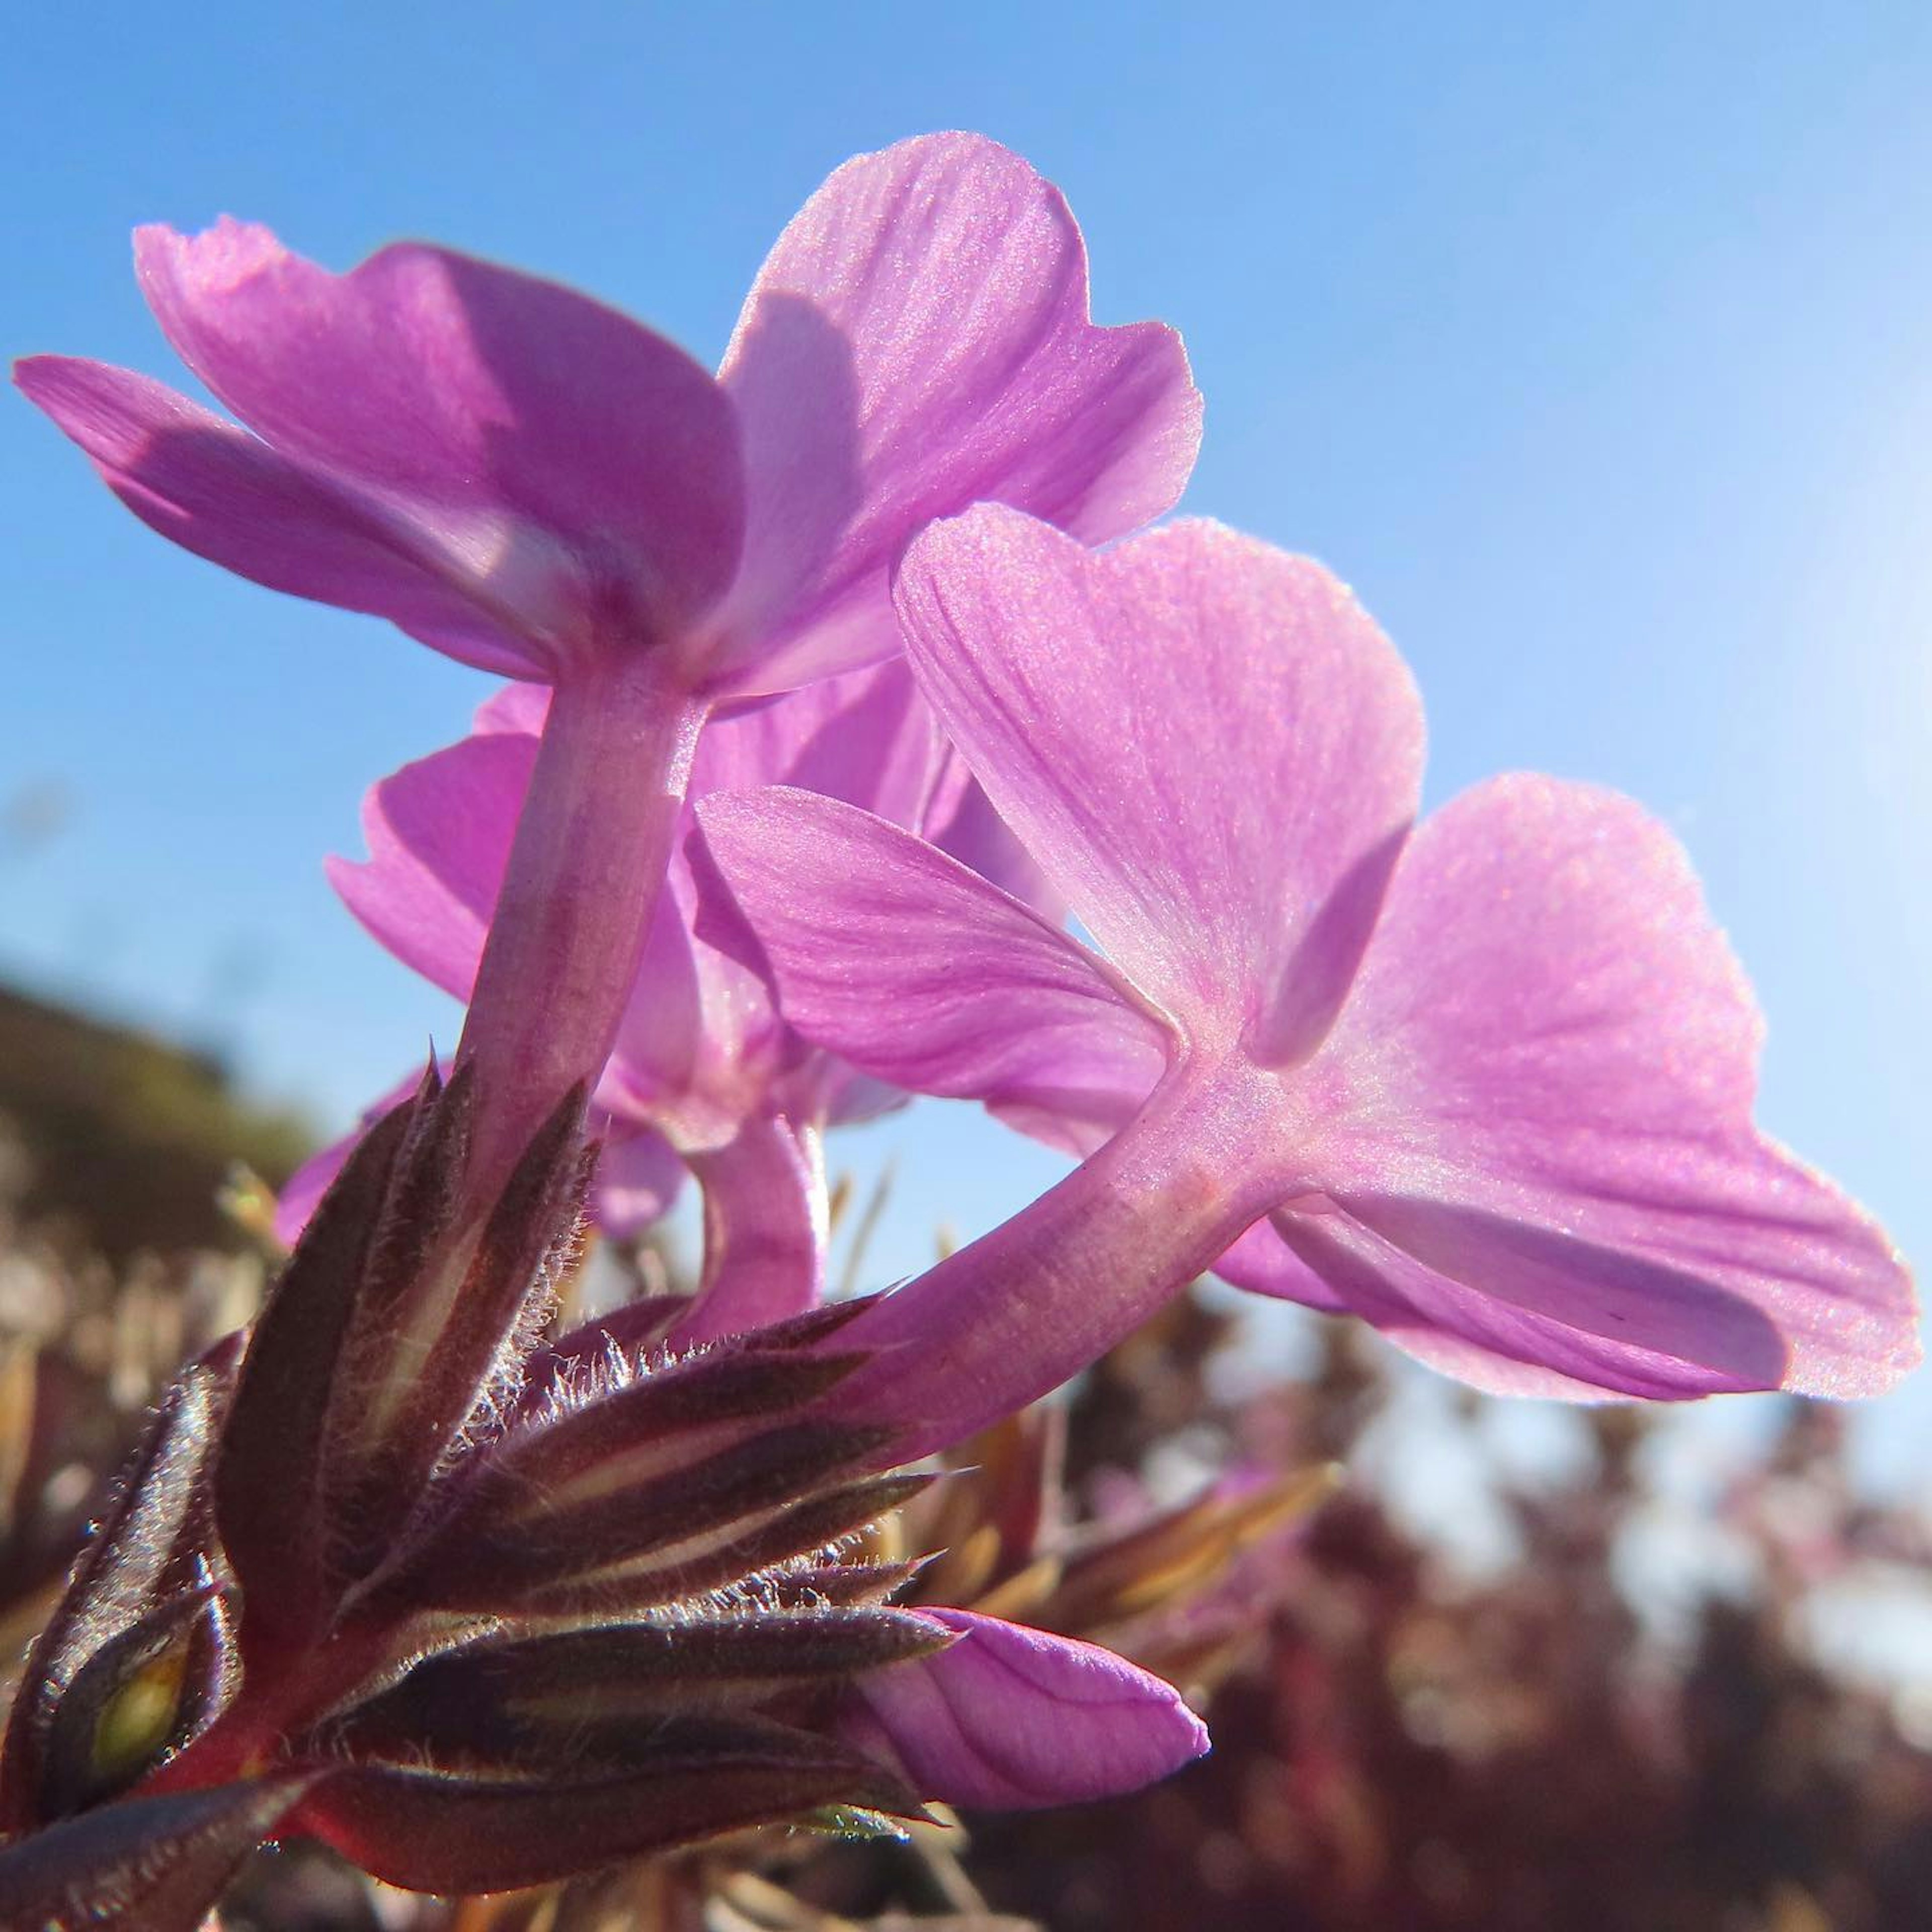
{"x":863,"y":674}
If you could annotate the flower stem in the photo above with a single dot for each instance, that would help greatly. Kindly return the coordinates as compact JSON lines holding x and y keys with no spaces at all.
{"x":589,"y":855}
{"x":1012,"y":1316}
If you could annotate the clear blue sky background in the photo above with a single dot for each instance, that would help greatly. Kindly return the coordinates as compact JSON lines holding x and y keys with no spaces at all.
{"x":1592,"y":343}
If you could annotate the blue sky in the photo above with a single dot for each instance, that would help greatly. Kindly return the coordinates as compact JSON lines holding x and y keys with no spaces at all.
{"x":1592,"y":344}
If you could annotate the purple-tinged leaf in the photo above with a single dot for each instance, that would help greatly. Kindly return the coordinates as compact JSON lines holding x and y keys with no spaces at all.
{"x":146,"y":1865}
{"x":148,"y":1549}
{"x":496,"y":1829}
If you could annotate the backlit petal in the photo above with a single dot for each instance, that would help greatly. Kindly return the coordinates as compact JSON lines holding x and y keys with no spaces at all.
{"x":889,"y":952}
{"x":1209,"y":748}
{"x":225,"y":495}
{"x":582,"y":467}
{"x":918,"y":341}
{"x":1539,"y":1095}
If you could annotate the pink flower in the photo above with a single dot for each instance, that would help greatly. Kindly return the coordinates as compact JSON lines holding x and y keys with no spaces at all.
{"x":532,"y":483}
{"x":1487,"y":1082}
{"x":704,"y":1074}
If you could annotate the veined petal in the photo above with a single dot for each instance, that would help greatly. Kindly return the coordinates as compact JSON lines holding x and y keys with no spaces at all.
{"x":584,"y":469}
{"x":868,"y":737}
{"x":1541,"y":1090}
{"x":1015,"y":1718}
{"x":227,"y":495}
{"x":896,"y":957}
{"x":1515,"y":1309}
{"x":963,"y":823}
{"x":918,"y":341}
{"x":1208,"y":746}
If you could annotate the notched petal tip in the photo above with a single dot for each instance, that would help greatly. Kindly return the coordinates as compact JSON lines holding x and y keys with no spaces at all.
{"x":938,"y":291}
{"x":228,"y":251}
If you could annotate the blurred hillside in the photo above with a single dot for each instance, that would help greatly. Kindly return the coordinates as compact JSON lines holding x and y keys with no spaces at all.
{"x":131,"y":1139}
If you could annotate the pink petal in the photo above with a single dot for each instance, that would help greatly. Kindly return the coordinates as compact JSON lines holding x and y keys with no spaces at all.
{"x":918,"y":341}
{"x":515,"y":707}
{"x":638,"y":1178}
{"x":1540,"y":1096}
{"x":1211,"y":750}
{"x":439,"y":831}
{"x":1011,"y":1717}
{"x":886,"y":951}
{"x":766,"y":1230}
{"x":868,"y":737}
{"x":581,"y":468}
{"x":964,"y":824}
{"x":1515,"y":1309}
{"x":222,"y":494}
{"x":1264,"y":1264}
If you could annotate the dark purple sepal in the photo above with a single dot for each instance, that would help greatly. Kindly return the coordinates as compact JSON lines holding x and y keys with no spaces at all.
{"x":150,"y":1548}
{"x":495,"y":1827}
{"x":724,"y":1497}
{"x":272,"y":1507}
{"x":841,"y":1585}
{"x":146,"y":1865}
{"x":604,"y":1696}
{"x":437,"y":1341}
{"x":620,"y":1342}
{"x":684,"y":1447}
{"x":578,"y":1360}
{"x":749,"y":1549}
{"x":390,"y":1322}
{"x":144,"y":1695}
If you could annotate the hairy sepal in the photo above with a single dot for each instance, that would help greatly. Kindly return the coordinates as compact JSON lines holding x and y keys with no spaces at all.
{"x":494,"y":1824}
{"x":598,"y":1696}
{"x":147,"y":1864}
{"x":150,"y":1551}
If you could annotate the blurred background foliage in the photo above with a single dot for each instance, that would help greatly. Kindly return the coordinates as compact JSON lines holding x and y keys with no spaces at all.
{"x":1404,"y":1737}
